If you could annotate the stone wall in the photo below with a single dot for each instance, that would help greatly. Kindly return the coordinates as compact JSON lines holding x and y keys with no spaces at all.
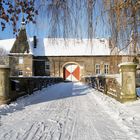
{"x":4,"y":84}
{"x":13,"y":87}
{"x":128,"y":81}
{"x":121,"y":86}
{"x":36,"y":65}
{"x":86,"y":63}
{"x":26,"y":66}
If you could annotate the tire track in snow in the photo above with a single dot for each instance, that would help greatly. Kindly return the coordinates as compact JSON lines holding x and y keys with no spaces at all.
{"x":84,"y":122}
{"x":51,"y":113}
{"x":65,"y":116}
{"x":110,"y":123}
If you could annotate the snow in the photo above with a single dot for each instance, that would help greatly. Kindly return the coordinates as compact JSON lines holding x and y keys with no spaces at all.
{"x":63,"y":47}
{"x":69,"y":111}
{"x":4,"y":66}
{"x":7,"y":44}
{"x":70,"y":47}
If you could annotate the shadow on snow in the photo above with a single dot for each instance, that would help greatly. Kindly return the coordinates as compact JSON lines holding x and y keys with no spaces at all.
{"x":55,"y":92}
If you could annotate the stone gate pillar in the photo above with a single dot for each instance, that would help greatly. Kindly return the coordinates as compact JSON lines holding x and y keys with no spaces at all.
{"x":4,"y":84}
{"x":128,"y":81}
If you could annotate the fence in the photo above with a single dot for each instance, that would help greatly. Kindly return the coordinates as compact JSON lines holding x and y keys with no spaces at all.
{"x":20,"y":86}
{"x":109,"y":84}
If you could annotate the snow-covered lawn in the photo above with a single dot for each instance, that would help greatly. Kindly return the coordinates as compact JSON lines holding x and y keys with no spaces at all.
{"x":69,"y":111}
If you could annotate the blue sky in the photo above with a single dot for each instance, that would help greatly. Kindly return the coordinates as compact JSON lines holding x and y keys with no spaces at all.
{"x":78,"y":29}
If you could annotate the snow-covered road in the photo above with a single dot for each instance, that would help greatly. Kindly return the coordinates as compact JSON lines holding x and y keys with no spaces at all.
{"x":66,"y":111}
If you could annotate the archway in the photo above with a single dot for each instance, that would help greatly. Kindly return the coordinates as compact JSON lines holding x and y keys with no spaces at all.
{"x":71,"y":71}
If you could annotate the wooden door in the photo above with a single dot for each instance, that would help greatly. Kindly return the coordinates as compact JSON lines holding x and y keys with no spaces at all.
{"x":72,"y":72}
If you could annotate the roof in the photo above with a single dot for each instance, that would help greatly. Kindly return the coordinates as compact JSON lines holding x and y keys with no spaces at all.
{"x":70,"y":47}
{"x":7,"y":44}
{"x":21,"y":44}
{"x":63,"y":47}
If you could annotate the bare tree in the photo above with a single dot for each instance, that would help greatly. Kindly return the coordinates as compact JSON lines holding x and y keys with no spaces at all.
{"x":11,"y":11}
{"x":4,"y":59}
{"x":68,"y":18}
{"x":124,"y":21}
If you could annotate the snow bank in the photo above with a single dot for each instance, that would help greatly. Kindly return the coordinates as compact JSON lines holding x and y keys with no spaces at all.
{"x":127,"y":115}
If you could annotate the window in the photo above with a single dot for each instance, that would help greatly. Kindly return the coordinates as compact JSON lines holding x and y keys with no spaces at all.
{"x":97,"y":68}
{"x":47,"y":66}
{"x":20,"y":73}
{"x":106,"y":68}
{"x":20,"y":60}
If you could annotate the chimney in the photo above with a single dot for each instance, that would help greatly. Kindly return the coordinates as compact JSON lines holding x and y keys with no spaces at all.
{"x":35,"y":42}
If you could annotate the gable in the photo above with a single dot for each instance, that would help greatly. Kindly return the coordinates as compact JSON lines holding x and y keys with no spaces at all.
{"x":21,"y":44}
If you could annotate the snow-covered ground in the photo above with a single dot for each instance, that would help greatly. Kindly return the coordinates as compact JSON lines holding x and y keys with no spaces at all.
{"x":69,"y":111}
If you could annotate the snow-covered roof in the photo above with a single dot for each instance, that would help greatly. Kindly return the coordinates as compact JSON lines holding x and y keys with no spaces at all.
{"x":70,"y":47}
{"x":63,"y":47}
{"x":7,"y":44}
